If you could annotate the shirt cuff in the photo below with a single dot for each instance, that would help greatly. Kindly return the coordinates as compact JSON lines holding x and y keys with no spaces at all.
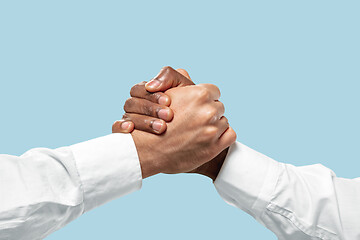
{"x":108,"y":167}
{"x":247,"y":179}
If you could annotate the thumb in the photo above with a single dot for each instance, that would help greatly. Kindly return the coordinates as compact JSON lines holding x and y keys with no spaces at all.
{"x":184,"y":73}
{"x":168,"y":78}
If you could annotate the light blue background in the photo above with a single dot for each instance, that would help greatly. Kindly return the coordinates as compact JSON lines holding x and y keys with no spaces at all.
{"x":288,"y":71}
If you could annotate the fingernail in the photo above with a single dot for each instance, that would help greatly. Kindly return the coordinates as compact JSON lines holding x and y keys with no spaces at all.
{"x":125,"y":125}
{"x":153,"y":84}
{"x":163,"y":100}
{"x":163,"y":114}
{"x":157,"y":125}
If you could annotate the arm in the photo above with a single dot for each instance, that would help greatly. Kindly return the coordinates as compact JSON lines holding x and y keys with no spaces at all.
{"x":307,"y":202}
{"x":294,"y":202}
{"x":43,"y":189}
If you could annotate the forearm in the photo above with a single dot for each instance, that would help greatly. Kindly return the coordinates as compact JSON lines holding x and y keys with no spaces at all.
{"x":40,"y":192}
{"x":148,"y":157}
{"x":212,"y":168}
{"x":293,"y":202}
{"x":44,"y":189}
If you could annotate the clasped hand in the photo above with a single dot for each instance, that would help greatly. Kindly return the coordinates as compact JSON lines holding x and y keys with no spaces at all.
{"x":177,"y":126}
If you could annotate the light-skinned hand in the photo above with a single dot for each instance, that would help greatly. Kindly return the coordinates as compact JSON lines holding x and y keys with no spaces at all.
{"x":197,"y":133}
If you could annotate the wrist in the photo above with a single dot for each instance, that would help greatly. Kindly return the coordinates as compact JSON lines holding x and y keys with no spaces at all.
{"x":212,"y":168}
{"x":147,"y":156}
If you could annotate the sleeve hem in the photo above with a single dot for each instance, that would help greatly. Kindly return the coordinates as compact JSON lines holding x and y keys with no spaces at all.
{"x":247,"y":179}
{"x":108,"y":167}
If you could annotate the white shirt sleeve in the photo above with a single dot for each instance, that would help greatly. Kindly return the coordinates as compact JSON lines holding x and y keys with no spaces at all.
{"x":44,"y":189}
{"x":299,"y":203}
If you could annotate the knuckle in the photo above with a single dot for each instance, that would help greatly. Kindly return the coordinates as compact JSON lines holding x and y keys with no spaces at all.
{"x":166,"y":72}
{"x":214,"y":86}
{"x":154,"y":97}
{"x":115,"y":127}
{"x":183,"y":70}
{"x":150,"y":96}
{"x":210,"y":133}
{"x":222,"y":106}
{"x":116,"y":123}
{"x":126,"y":117}
{"x":215,"y":89}
{"x":233,"y":139}
{"x":226,"y":121}
{"x":224,"y":125}
{"x":147,"y":110}
{"x":203,"y":93}
{"x":233,"y":135}
{"x":167,"y":69}
{"x":210,"y":114}
{"x":128,"y":104}
{"x":135,"y":89}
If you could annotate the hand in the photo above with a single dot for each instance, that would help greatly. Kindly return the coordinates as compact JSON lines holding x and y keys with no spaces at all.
{"x":146,"y":103}
{"x":197,"y":133}
{"x":147,"y":109}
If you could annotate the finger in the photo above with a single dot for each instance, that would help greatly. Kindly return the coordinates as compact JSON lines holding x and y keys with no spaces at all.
{"x":220,"y":109}
{"x":223,"y":125}
{"x":213,"y":90}
{"x":146,"y":123}
{"x":214,"y":112}
{"x":122,"y":126}
{"x":166,"y":79}
{"x":140,"y":91}
{"x":145,"y":107}
{"x":184,"y":73}
{"x":228,"y":138}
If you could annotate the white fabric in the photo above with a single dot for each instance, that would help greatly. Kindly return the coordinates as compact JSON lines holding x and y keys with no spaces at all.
{"x":297,"y":203}
{"x":43,"y":190}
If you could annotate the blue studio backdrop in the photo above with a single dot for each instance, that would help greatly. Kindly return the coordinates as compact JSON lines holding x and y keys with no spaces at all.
{"x":288,"y":72}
